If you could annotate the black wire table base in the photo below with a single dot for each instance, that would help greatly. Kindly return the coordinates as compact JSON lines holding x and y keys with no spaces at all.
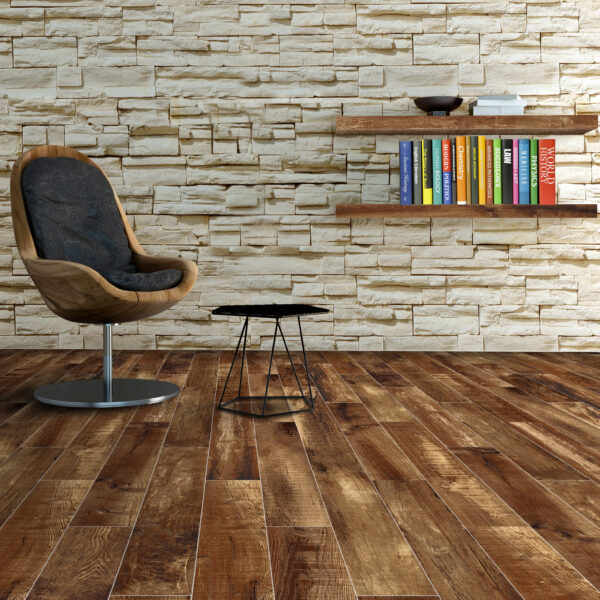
{"x":308,"y":400}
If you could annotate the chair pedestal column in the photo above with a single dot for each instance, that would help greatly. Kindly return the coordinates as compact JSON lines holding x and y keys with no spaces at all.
{"x":106,"y":392}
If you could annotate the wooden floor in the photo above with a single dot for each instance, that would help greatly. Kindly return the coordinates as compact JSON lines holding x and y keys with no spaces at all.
{"x":422,"y":476}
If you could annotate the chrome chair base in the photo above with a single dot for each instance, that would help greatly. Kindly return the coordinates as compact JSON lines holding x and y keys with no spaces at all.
{"x":92,"y":393}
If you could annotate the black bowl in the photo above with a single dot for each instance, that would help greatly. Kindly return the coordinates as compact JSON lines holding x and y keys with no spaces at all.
{"x":438,"y":104}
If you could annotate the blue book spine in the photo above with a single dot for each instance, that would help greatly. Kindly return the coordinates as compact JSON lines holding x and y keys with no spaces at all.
{"x":405,"y":172}
{"x":436,"y":153}
{"x":447,"y":187}
{"x":523,"y":171}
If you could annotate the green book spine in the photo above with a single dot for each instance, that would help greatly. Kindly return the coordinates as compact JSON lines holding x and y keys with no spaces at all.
{"x":497,"y":172}
{"x":474,"y":171}
{"x":436,"y":151}
{"x":533,"y":172}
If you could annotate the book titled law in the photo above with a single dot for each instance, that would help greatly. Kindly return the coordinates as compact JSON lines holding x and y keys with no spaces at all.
{"x":489,"y":171}
{"x":515,"y":177}
{"x":453,"y":167}
{"x":446,"y":172}
{"x":461,"y":170}
{"x":417,"y":178}
{"x":405,"y":172}
{"x":523,"y":171}
{"x":474,"y":170}
{"x":507,"y":171}
{"x":481,"y":166}
{"x":547,"y":171}
{"x":497,"y":172}
{"x":427,"y":163}
{"x":533,"y":172}
{"x":436,"y":152}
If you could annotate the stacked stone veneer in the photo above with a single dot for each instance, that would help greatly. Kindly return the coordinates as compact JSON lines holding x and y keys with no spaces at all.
{"x":215,"y":121}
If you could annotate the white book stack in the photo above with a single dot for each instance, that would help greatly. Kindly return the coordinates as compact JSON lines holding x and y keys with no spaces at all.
{"x":509,"y":104}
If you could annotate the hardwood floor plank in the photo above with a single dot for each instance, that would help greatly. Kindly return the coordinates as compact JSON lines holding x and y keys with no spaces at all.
{"x":536,"y":570}
{"x":15,"y":430}
{"x":583,"y":496}
{"x":456,"y":564}
{"x":380,"y":370}
{"x":20,"y":473}
{"x":538,"y":462}
{"x":30,"y":535}
{"x":539,"y":390}
{"x":118,"y":491}
{"x":553,"y":367}
{"x":290,"y":493}
{"x":331,"y":385}
{"x":152,"y":597}
{"x":585,"y":412}
{"x":161,"y":555}
{"x":561,"y":526}
{"x":307,"y":565}
{"x":84,"y":564}
{"x":358,"y":516}
{"x":576,"y":392}
{"x":60,"y":429}
{"x":233,"y":557}
{"x":380,"y":456}
{"x":341,"y":362}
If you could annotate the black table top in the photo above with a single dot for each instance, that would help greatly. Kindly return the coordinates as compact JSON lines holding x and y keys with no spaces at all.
{"x":269,"y":311}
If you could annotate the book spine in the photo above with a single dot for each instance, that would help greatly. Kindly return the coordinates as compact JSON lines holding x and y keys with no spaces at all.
{"x":427,"y":172}
{"x":417,"y":173}
{"x":523,"y":171}
{"x":489,"y":171}
{"x":497,"y":172}
{"x":468,"y":167}
{"x":453,"y":166}
{"x":533,"y":171}
{"x":446,"y":172}
{"x":461,"y":170}
{"x":547,"y":169}
{"x":515,"y":177}
{"x":436,"y":151}
{"x":474,"y":170}
{"x":507,"y":171}
{"x":481,"y":163}
{"x":405,"y":172}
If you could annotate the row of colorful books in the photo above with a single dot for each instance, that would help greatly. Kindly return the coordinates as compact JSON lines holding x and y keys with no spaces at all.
{"x":477,"y":170}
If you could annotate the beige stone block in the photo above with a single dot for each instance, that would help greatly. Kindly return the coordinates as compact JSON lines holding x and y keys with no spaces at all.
{"x":354,"y":49}
{"x":116,"y":82}
{"x":472,"y":74}
{"x":509,"y":320}
{"x":157,"y":171}
{"x":28,"y":83}
{"x":505,"y":231}
{"x":553,"y":18}
{"x":525,"y":79}
{"x":510,"y":48}
{"x":69,"y":76}
{"x":384,"y":290}
{"x":223,"y":169}
{"x":403,"y":18}
{"x":443,"y":48}
{"x":451,"y":231}
{"x":44,"y":51}
{"x":107,"y":51}
{"x":421,"y":80}
{"x":154,"y":145}
{"x":520,"y":343}
{"x":34,"y":135}
{"x":424,"y":343}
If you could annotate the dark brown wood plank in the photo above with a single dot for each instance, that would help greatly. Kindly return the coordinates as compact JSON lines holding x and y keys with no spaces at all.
{"x":535,"y":569}
{"x":359,"y":517}
{"x":20,"y":473}
{"x":583,"y":496}
{"x":470,"y":211}
{"x":379,"y":455}
{"x":581,"y":410}
{"x":561,"y":526}
{"x":60,"y":429}
{"x":84,"y":564}
{"x":526,"y":384}
{"x":15,"y":430}
{"x":380,"y":370}
{"x":330,"y":383}
{"x":341,"y":362}
{"x":117,"y":493}
{"x":161,"y":555}
{"x":233,"y":557}
{"x":421,"y":124}
{"x":291,"y":496}
{"x":455,"y":562}
{"x":307,"y":564}
{"x":30,"y":535}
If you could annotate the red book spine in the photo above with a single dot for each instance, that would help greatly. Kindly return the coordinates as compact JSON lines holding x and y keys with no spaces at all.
{"x":547,"y":167}
{"x":446,"y":156}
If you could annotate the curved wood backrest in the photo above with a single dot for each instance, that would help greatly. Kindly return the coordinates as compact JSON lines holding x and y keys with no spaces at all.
{"x":84,"y":295}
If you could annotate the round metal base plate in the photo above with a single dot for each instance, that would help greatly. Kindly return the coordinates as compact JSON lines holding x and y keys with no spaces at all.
{"x":90,"y":393}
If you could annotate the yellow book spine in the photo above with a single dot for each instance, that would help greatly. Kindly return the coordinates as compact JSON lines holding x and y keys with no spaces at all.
{"x":481,"y":166}
{"x":425,"y":159}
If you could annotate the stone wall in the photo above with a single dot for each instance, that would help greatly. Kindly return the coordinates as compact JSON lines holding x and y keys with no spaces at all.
{"x":215,"y":121}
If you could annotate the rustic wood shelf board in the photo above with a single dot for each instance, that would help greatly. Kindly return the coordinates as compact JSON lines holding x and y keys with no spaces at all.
{"x":473,"y":211}
{"x":417,"y":125}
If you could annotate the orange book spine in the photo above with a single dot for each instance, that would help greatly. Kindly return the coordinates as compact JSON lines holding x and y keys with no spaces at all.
{"x":461,"y":170}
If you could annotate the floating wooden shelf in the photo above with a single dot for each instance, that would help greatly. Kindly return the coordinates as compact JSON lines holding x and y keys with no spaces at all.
{"x":471,"y":211}
{"x":418,"y":125}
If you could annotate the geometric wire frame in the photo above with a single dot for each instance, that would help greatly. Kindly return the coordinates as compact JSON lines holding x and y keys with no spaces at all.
{"x":307,"y":400}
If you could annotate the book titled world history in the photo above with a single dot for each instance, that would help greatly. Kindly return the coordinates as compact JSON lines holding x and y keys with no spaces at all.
{"x":406,"y":172}
{"x":547,"y":171}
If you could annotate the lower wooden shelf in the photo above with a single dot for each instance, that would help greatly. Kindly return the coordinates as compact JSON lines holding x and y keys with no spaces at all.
{"x":471,"y":211}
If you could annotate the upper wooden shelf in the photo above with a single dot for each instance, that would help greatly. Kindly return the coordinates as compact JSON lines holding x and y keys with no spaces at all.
{"x":469,"y":211}
{"x":466,"y":124}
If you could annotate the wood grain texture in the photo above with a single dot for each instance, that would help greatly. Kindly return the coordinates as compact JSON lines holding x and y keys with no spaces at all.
{"x":84,"y":564}
{"x":233,"y":557}
{"x":307,"y":565}
{"x":583,"y":496}
{"x":421,"y":124}
{"x":160,"y":557}
{"x":470,"y":211}
{"x":32,"y":532}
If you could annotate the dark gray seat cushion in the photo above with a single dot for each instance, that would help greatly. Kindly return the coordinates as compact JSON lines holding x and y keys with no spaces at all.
{"x":73,"y":216}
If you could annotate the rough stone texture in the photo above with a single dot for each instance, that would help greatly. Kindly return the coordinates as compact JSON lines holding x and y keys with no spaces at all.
{"x":215,"y":121}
